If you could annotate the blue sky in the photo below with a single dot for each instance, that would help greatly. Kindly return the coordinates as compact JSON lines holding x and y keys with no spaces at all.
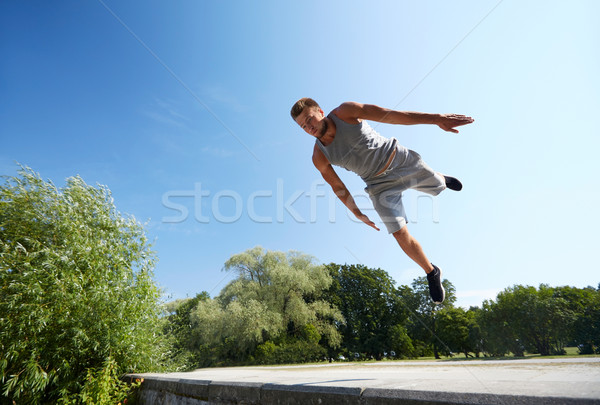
{"x":184,"y":107}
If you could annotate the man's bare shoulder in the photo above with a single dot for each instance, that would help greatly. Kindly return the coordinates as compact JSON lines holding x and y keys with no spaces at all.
{"x":348,"y":111}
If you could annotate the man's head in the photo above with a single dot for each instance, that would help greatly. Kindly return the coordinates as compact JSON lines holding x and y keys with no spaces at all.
{"x":301,"y":104}
{"x":308,"y":114}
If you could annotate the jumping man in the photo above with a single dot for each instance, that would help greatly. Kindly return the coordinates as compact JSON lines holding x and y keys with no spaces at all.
{"x":344,"y":139}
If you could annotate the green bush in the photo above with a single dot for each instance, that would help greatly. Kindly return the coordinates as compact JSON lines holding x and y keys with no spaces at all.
{"x":76,"y":289}
{"x":289,"y":351}
{"x":103,"y":386}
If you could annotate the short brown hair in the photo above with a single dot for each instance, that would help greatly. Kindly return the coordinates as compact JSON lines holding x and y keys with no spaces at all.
{"x":302,"y":104}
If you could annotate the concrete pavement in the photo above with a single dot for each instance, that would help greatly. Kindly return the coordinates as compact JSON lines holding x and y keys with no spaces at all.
{"x":525,"y":381}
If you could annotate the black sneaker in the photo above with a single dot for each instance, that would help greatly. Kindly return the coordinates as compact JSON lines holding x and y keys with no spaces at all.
{"x":436,"y":290}
{"x":453,"y":183}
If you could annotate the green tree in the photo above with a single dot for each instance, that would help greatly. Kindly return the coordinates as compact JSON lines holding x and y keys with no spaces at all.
{"x":498,"y":338}
{"x":585,"y":303}
{"x":374,"y":316}
{"x":557,"y":316}
{"x":475,"y":340}
{"x":526,"y":318}
{"x":76,"y":289}
{"x":422,"y":325}
{"x":178,"y":328}
{"x":277,"y":298}
{"x":458,"y":330}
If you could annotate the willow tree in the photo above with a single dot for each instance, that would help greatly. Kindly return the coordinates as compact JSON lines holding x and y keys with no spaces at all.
{"x":77,"y":293}
{"x":275,"y":301}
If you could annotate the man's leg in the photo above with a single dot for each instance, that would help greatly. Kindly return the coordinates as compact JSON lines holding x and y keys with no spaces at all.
{"x":413,"y":249}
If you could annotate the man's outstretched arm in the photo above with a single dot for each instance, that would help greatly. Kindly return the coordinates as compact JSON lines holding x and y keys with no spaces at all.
{"x":338,"y":186}
{"x":352,"y":111}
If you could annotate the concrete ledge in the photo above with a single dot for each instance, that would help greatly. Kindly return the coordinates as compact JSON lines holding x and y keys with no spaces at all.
{"x":540,"y":382}
{"x":309,"y":394}
{"x":172,"y":391}
{"x":234,"y":393}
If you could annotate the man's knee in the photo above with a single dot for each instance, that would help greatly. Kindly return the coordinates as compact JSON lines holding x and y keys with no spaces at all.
{"x":402,"y":234}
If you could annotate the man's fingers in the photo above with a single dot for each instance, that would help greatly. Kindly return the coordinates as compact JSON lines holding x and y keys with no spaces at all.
{"x":461,"y":117}
{"x":367,"y":221}
{"x":372,"y":224}
{"x":457,"y":119}
{"x":449,"y":128}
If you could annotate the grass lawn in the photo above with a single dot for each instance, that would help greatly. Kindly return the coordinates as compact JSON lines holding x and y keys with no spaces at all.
{"x":571,"y":352}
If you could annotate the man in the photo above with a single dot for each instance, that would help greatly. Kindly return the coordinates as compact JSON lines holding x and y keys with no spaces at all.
{"x":344,"y":139}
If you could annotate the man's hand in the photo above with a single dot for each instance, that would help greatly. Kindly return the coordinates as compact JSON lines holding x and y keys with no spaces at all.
{"x":449,"y":121}
{"x":366,"y":220}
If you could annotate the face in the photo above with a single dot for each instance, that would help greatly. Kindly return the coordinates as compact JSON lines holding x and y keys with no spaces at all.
{"x":312,"y":120}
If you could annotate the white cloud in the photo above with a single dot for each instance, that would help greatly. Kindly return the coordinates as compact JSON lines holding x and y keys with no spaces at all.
{"x":218,"y":152}
{"x":168,"y":106}
{"x":406,"y":276}
{"x":469,"y":298}
{"x":165,"y":112}
{"x":222,"y":96}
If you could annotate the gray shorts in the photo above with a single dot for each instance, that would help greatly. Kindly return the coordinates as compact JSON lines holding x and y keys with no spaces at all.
{"x":407,"y":170}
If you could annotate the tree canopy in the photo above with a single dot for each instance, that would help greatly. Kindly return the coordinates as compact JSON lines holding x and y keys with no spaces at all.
{"x":374,"y":315}
{"x":274,"y":305}
{"x":285,"y":308}
{"x":76,"y":288}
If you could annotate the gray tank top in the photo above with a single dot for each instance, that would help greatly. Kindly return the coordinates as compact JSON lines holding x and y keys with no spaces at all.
{"x":358,"y":148}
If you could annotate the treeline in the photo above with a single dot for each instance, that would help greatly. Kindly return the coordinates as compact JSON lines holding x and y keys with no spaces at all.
{"x":79,"y":306}
{"x":285,"y":308}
